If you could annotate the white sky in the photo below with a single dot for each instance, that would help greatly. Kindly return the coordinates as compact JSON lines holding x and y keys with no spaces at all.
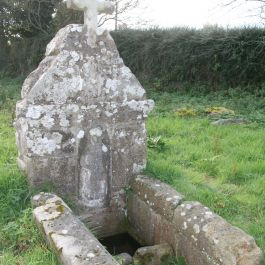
{"x":197,"y":13}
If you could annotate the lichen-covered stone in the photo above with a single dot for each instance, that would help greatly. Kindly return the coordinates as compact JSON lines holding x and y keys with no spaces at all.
{"x":153,"y":255}
{"x":158,"y":195}
{"x":124,"y":259}
{"x":194,"y":232}
{"x":81,"y":121}
{"x":71,"y":241}
{"x":218,"y":242}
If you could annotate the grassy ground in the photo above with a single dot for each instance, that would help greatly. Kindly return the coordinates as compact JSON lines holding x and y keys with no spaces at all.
{"x":220,"y":166}
{"x":223,"y":167}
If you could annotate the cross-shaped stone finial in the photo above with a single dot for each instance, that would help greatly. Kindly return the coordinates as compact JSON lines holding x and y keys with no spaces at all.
{"x":91,"y":10}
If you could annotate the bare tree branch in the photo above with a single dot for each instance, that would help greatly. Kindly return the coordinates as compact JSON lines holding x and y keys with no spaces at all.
{"x":122,"y":14}
{"x":255,"y":11}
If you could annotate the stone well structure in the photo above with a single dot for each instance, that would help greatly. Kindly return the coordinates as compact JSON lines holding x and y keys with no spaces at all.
{"x":157,"y":216}
{"x":81,"y":121}
{"x":81,"y":126}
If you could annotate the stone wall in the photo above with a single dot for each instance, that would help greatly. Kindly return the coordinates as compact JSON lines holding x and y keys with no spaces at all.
{"x":158,"y":214}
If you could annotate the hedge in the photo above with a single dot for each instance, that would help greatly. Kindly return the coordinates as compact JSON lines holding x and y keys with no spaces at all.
{"x":214,"y":56}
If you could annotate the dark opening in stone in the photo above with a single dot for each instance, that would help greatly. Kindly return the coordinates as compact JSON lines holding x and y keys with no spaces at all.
{"x":118,"y":244}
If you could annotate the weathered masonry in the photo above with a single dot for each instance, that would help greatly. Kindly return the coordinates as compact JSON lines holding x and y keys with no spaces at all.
{"x":155,"y":215}
{"x":81,"y":121}
{"x":158,"y":214}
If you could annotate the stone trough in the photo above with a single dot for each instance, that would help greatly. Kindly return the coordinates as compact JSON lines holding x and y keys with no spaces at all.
{"x":155,"y":215}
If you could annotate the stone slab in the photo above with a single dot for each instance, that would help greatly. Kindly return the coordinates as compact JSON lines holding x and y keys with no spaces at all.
{"x":69,"y":238}
{"x":218,"y":241}
{"x":153,"y":255}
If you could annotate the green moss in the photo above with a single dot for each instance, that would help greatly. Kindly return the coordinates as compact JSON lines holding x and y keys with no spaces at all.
{"x":60,"y":209}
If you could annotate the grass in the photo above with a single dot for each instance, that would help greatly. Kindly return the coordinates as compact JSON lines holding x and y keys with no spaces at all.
{"x":223,"y":167}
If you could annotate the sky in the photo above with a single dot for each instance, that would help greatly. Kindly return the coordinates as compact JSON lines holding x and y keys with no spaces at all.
{"x":198,"y":13}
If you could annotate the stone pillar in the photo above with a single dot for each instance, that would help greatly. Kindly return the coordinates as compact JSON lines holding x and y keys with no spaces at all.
{"x":81,"y":121}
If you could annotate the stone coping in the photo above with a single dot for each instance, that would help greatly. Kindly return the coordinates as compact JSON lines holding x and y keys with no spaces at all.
{"x":158,"y":214}
{"x":68,"y":237}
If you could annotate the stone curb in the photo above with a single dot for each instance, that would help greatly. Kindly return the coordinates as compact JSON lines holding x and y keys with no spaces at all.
{"x":68,"y":237}
{"x":193,"y":230}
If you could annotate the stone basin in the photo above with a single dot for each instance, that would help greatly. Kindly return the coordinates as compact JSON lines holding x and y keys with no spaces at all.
{"x":153,"y":214}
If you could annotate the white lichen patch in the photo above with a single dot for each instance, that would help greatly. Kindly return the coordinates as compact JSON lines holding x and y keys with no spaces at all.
{"x":76,"y":28}
{"x":104,"y":148}
{"x":196,"y":229}
{"x":126,"y":72}
{"x":97,"y":132}
{"x":71,"y":108}
{"x":205,"y":228}
{"x":188,"y":206}
{"x":138,"y":168}
{"x":75,"y":56}
{"x":91,"y":255}
{"x":194,"y":238}
{"x":143,"y":106}
{"x":122,"y":134}
{"x":57,"y":137}
{"x":140,"y":141}
{"x":136,"y":91}
{"x":111,"y":85}
{"x":80,"y":134}
{"x":34,"y":112}
{"x":90,"y":107}
{"x":42,"y":146}
{"x":185,"y":226}
{"x":47,"y":121}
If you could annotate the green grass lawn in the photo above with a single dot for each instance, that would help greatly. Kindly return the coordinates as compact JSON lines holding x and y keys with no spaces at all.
{"x":223,"y":167}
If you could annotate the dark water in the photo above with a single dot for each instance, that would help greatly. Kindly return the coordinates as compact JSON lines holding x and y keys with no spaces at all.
{"x":118,"y":244}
